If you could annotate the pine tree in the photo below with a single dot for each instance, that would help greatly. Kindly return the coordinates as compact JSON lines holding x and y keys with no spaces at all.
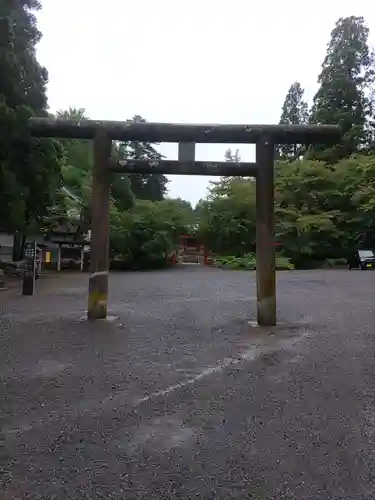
{"x":294,"y":111}
{"x":344,"y":80}
{"x":370,"y":125}
{"x":146,"y":187}
{"x":232,"y":157}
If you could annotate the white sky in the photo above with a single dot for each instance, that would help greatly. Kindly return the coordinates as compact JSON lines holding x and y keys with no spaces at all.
{"x":199,"y":61}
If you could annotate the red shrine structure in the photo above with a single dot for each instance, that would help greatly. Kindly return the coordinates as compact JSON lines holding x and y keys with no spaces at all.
{"x":192,"y":250}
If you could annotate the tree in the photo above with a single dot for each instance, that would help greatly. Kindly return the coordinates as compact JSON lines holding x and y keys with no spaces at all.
{"x":227,"y":218}
{"x":145,"y":236}
{"x":294,"y":111}
{"x":78,"y":156}
{"x":77,"y":169}
{"x":347,"y":73}
{"x":146,"y":187}
{"x":122,"y":193}
{"x":181,"y":212}
{"x":125,"y":188}
{"x":309,"y":207}
{"x":30,"y":169}
{"x":370,"y":125}
{"x":232,"y":157}
{"x":321,"y":213}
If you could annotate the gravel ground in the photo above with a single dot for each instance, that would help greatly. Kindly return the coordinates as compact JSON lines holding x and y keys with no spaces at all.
{"x":180,"y":396}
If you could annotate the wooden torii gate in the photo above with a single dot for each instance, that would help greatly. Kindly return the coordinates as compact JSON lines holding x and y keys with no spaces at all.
{"x":264,"y":136}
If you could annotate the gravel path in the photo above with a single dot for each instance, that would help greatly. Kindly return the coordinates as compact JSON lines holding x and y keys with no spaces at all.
{"x":179,"y":396}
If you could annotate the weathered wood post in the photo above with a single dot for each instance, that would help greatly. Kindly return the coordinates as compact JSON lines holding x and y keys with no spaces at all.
{"x":99,"y":251}
{"x":265,"y":249}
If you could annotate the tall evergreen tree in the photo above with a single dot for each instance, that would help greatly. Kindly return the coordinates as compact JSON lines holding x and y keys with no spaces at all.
{"x":146,"y":187}
{"x":30,"y":169}
{"x":294,"y":111}
{"x":344,"y":80}
{"x":371,"y":119}
{"x":232,"y":157}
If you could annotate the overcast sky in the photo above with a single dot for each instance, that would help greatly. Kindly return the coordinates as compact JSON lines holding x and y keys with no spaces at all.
{"x":199,"y":61}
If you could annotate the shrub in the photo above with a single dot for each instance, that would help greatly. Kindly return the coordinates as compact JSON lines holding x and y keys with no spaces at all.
{"x":283,"y":263}
{"x":248,"y":262}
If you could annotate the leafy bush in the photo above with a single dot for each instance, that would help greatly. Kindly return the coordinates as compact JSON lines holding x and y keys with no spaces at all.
{"x":248,"y":262}
{"x":144,"y":237}
{"x":231,"y":262}
{"x":283,"y":263}
{"x":322,"y":211}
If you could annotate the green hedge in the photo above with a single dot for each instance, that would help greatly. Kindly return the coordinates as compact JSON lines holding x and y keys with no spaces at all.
{"x":248,"y":262}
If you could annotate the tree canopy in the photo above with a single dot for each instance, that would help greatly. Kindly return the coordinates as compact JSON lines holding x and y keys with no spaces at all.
{"x":294,"y":111}
{"x":325,"y":197}
{"x":30,"y":169}
{"x":345,"y":79}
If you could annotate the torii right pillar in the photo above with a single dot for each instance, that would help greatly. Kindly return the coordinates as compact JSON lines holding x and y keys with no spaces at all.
{"x":265,"y":223}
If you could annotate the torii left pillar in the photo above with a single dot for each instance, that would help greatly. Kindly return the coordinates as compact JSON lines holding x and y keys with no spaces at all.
{"x":99,"y":251}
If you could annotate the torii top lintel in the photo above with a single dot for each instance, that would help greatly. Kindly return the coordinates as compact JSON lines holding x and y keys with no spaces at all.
{"x":179,"y":132}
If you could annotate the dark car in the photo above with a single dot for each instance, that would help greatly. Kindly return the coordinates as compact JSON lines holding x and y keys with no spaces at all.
{"x":362,"y":259}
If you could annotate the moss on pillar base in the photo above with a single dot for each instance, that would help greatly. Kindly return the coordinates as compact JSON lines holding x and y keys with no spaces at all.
{"x":98,"y":294}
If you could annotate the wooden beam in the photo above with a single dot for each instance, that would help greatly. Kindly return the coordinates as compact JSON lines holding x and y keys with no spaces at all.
{"x":178,"y":132}
{"x":171,"y":167}
{"x":265,"y":248}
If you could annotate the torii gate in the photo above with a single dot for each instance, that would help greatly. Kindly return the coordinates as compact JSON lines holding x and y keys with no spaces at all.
{"x":264,"y":136}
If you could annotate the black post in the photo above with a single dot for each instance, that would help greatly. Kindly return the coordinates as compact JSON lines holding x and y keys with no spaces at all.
{"x":29,"y":273}
{"x":265,"y":248}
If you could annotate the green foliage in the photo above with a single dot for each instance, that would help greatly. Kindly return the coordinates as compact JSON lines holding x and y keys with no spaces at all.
{"x":30,"y":169}
{"x":145,"y":236}
{"x":228,"y":217}
{"x":124,"y":188}
{"x":294,"y":111}
{"x":347,"y":73}
{"x":248,"y":262}
{"x":144,"y":227}
{"x":78,"y":164}
{"x":321,"y":213}
{"x":146,"y":187}
{"x":282,"y":263}
{"x":325,"y":201}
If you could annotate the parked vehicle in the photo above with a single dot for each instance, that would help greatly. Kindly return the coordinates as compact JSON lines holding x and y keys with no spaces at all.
{"x":362,"y":259}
